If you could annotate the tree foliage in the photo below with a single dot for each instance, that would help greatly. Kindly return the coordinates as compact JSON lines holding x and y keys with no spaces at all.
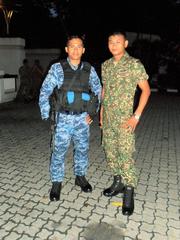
{"x":53,"y":9}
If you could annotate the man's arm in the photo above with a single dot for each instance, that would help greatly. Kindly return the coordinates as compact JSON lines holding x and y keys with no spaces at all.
{"x":145,"y":93}
{"x":101,"y":109}
{"x":54,"y":78}
{"x":95,"y":83}
{"x":132,"y":122}
{"x":96,"y":88}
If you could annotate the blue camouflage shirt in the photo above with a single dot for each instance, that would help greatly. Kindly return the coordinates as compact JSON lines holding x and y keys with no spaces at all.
{"x":55,"y":78}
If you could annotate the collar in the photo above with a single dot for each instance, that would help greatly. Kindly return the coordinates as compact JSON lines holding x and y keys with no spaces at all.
{"x":74,"y":67}
{"x":123,"y":58}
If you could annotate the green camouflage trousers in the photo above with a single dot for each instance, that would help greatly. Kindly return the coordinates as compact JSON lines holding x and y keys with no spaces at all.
{"x":119,"y":146}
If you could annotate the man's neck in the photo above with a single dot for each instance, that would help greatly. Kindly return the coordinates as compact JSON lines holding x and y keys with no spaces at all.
{"x":117,"y":58}
{"x":74,"y":62}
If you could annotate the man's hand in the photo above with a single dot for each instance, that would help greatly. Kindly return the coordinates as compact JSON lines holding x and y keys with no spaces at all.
{"x":45,"y":119}
{"x":100,"y":123}
{"x":88,"y":119}
{"x":131,"y":124}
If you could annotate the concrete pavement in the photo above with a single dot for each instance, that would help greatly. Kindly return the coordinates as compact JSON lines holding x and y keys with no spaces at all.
{"x":26,"y":212}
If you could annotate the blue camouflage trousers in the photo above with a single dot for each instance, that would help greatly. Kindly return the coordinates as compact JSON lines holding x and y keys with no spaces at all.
{"x":75,"y":128}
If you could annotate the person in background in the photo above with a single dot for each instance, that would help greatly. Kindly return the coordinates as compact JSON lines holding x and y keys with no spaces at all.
{"x":23,"y":93}
{"x":37,"y":78}
{"x":73,"y":83}
{"x":120,"y":76}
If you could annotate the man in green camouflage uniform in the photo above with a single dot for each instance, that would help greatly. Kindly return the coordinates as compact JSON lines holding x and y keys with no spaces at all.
{"x":120,"y":75}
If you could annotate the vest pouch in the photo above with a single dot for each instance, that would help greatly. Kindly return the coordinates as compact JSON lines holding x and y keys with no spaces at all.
{"x":61,"y":100}
{"x":77,"y":106}
{"x":70,"y":97}
{"x":85,"y":96}
{"x":92,"y":104}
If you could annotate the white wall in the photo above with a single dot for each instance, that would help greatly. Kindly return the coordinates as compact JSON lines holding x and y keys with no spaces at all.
{"x":45,"y":56}
{"x":11,"y":54}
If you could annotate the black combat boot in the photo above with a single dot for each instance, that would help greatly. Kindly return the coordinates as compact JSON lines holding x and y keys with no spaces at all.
{"x":82,"y":182}
{"x":116,"y":188}
{"x":55,"y":191}
{"x":128,"y":201}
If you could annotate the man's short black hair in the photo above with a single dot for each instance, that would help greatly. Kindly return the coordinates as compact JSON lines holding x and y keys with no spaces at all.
{"x":70,"y":37}
{"x":118,"y":32}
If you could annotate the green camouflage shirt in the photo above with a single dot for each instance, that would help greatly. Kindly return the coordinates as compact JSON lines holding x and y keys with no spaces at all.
{"x":120,"y":81}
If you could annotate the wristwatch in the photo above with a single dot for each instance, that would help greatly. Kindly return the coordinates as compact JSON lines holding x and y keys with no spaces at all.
{"x":136,"y":116}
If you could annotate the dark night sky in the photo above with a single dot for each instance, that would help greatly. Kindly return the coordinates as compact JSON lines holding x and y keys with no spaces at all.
{"x":95,"y":19}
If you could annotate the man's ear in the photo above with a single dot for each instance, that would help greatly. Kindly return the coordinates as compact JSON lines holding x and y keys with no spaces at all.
{"x":126,"y":43}
{"x":84,"y":50}
{"x":66,"y":49}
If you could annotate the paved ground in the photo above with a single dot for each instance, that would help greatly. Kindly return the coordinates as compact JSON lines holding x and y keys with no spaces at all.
{"x":26,"y":212}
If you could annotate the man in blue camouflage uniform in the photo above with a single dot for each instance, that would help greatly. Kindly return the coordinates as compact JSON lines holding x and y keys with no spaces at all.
{"x":71,"y":124}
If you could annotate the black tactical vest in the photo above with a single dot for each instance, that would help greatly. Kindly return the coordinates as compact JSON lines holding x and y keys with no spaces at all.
{"x":76,"y":81}
{"x":81,"y":81}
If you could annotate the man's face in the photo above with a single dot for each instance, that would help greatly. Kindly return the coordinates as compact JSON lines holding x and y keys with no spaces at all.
{"x":117,"y":44}
{"x":75,"y":49}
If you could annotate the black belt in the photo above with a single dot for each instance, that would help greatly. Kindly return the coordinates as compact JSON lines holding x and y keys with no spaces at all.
{"x":71,"y":112}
